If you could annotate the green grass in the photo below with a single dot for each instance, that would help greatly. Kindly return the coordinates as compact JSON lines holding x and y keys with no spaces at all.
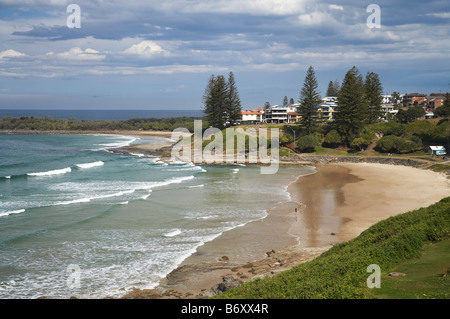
{"x":341,"y":272}
{"x":320,"y":150}
{"x":284,"y":151}
{"x":427,"y":277}
{"x":440,"y":167}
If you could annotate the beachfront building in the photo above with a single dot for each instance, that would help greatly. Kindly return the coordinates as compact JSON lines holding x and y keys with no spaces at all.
{"x":277,"y":114}
{"x":282,"y":114}
{"x":330,"y":99}
{"x":293,"y":117}
{"x":254,"y":116}
{"x":413,"y":99}
{"x":434,"y":101}
{"x":326,"y":109}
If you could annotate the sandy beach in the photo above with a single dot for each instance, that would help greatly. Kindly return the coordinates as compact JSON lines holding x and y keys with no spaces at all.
{"x":334,"y":204}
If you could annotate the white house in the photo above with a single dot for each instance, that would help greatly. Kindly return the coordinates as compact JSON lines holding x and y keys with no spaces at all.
{"x":253,"y":116}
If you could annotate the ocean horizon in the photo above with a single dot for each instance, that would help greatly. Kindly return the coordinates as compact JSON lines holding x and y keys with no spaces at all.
{"x":99,"y":115}
{"x":123,"y":220}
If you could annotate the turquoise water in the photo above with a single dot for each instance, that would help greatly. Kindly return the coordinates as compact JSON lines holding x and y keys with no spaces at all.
{"x":124,"y":221}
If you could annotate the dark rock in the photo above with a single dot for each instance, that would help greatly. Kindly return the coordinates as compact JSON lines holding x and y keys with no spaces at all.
{"x":396,"y":274}
{"x":269,"y":253}
{"x":227,"y":283}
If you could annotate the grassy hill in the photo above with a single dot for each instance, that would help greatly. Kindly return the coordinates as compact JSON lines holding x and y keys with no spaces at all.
{"x":341,"y":272}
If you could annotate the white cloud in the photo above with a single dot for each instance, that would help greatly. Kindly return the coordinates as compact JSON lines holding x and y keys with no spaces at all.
{"x":252,"y":7}
{"x":147,"y":49}
{"x":444,"y":15}
{"x":11,"y":54}
{"x":79,"y":54}
{"x":336,"y":7}
{"x":35,"y":2}
{"x":315,"y":18}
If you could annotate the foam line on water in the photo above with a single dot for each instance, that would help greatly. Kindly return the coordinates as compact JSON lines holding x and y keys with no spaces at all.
{"x":19,"y":211}
{"x":52,"y":172}
{"x":90,"y":165}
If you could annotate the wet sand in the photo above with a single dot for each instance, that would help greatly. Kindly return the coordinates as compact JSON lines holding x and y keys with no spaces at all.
{"x":334,"y":204}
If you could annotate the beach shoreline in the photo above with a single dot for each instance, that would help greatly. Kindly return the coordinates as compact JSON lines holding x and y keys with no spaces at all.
{"x":332,"y":205}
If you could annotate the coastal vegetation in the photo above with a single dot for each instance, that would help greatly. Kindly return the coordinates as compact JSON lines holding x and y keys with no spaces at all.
{"x":355,"y":128}
{"x":341,"y":272}
{"x":33,"y":123}
{"x":381,"y":138}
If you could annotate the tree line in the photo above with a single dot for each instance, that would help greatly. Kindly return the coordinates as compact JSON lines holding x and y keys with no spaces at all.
{"x":222,"y":104}
{"x":356,"y":118}
{"x":47,"y":124}
{"x":359,"y":103}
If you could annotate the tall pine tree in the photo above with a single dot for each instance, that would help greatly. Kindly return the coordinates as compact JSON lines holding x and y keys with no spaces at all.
{"x":351,"y":112}
{"x":214,"y":101}
{"x":373,"y":91}
{"x":309,"y":100}
{"x":330,"y":90}
{"x":333,"y":88}
{"x":232,"y":102}
{"x":221,"y":101}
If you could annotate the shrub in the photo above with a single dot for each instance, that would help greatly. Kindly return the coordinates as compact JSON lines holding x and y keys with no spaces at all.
{"x":395,"y":144}
{"x":308,"y":143}
{"x":333,"y":138}
{"x":286,"y":139}
{"x":396,"y":129}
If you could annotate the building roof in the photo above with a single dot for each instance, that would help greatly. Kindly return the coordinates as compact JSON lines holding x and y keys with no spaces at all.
{"x":437,"y":148}
{"x":250,"y":113}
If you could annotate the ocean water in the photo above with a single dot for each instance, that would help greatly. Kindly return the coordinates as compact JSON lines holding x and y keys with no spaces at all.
{"x":121,"y":221}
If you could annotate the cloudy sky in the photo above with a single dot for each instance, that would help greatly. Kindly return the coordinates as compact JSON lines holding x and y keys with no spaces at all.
{"x":159,"y":54}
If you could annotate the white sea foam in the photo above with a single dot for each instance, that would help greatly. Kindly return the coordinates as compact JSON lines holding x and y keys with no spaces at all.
{"x":145,"y":196}
{"x":86,"y":189}
{"x":177,"y":163}
{"x":125,"y":141}
{"x":117,"y":144}
{"x":197,"y":186}
{"x":137,"y":154}
{"x":53,"y":172}
{"x":12,"y":212}
{"x":187,"y":168}
{"x":173,"y":233}
{"x":90,"y":165}
{"x":88,"y":199}
{"x":175,"y":180}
